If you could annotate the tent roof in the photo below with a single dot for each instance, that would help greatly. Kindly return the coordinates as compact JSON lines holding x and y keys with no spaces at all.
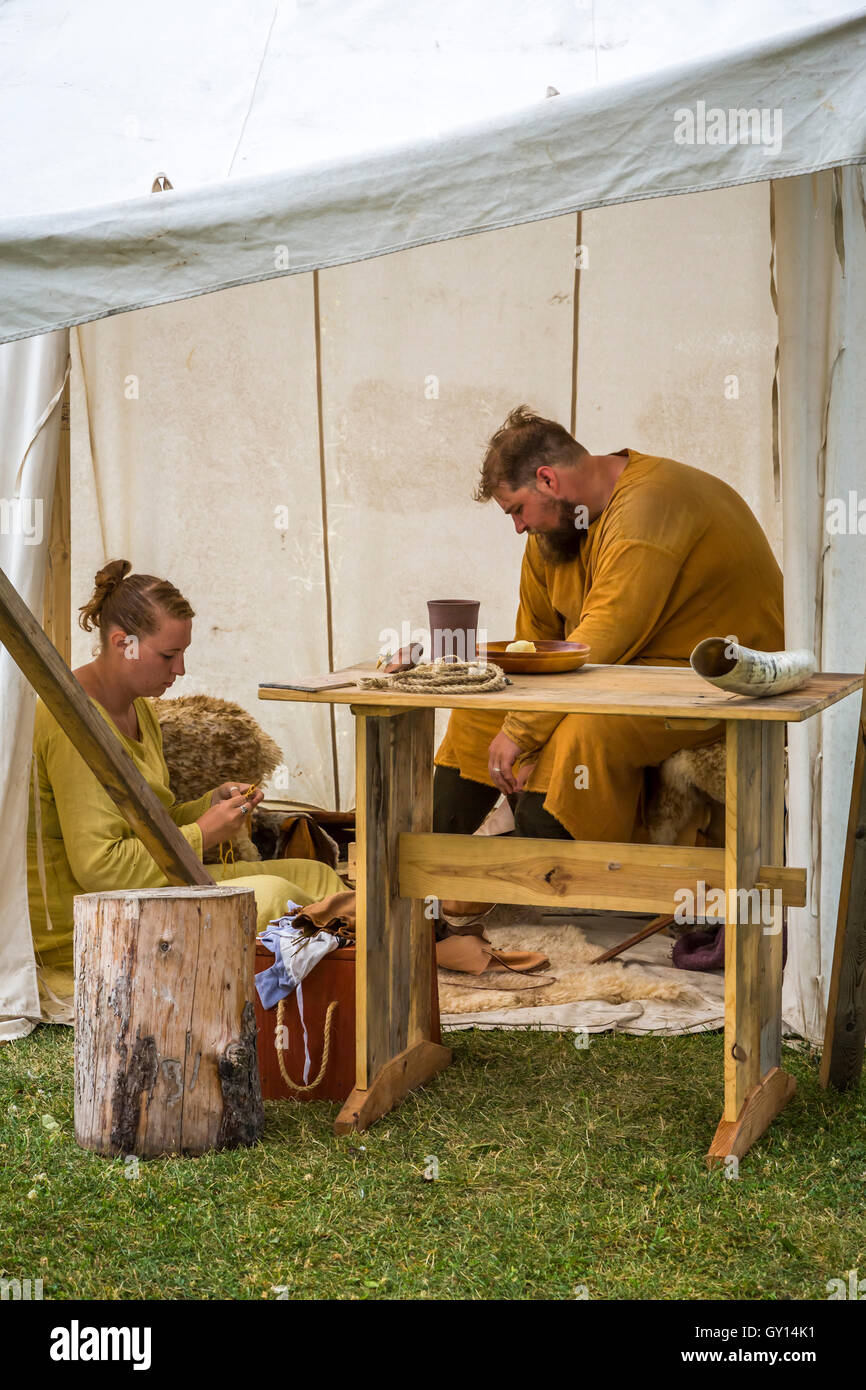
{"x":309,"y":133}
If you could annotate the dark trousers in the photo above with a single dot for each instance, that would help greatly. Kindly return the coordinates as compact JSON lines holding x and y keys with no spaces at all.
{"x":459,"y":807}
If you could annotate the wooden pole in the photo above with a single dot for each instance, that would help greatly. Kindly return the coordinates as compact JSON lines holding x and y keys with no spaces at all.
{"x":656,"y":925}
{"x":57,"y":604}
{"x":99,"y":747}
{"x":165,"y":1029}
{"x":845,"y":1037}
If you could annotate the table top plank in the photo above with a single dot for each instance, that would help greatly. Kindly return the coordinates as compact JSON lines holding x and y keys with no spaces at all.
{"x":655,"y":691}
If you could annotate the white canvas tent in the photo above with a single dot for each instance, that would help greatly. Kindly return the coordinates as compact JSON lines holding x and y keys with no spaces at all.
{"x":303,"y":139}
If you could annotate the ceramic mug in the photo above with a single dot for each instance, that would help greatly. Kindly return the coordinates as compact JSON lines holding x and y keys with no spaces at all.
{"x":453,"y":628}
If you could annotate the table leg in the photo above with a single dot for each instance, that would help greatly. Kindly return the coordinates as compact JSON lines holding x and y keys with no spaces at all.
{"x":756,"y":1087}
{"x":394,"y":962}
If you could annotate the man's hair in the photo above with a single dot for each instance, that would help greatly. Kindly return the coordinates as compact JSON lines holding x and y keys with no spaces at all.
{"x":519,"y":447}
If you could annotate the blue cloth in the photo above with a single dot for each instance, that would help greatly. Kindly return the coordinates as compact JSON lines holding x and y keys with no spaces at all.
{"x":275,"y":983}
{"x":296,"y":955}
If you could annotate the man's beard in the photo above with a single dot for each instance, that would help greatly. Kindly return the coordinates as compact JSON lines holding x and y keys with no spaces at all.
{"x":563,"y":541}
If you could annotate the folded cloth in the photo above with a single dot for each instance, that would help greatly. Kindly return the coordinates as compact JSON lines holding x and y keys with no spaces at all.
{"x":296,"y":954}
{"x":334,"y":914}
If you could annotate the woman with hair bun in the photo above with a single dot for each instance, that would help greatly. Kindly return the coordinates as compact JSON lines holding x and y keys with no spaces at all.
{"x":78,"y":841}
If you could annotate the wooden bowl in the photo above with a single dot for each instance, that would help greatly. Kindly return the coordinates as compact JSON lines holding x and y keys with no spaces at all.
{"x":547,"y":658}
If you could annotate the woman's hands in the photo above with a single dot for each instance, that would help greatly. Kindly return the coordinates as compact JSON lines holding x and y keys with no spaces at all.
{"x":228,"y":814}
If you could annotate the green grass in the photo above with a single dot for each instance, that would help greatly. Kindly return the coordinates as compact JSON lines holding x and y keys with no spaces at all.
{"x":558,"y":1168}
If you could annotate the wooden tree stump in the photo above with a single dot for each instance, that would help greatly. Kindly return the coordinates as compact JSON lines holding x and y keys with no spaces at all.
{"x":165,"y":1039}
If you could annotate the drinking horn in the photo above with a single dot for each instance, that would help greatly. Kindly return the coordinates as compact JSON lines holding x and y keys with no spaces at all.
{"x":726,"y":664}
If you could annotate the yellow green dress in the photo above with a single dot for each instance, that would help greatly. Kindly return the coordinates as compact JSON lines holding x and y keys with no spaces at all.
{"x":79,"y":842}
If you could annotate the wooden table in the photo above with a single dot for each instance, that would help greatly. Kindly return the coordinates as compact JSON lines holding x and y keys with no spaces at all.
{"x":400,"y":863}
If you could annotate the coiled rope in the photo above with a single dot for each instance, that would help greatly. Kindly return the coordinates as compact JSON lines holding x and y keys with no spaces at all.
{"x":469,"y":677}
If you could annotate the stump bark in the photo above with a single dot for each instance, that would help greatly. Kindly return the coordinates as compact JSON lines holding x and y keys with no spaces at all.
{"x":165,"y":1036}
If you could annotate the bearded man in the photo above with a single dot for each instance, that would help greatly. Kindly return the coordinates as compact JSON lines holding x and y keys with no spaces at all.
{"x":640,"y":558}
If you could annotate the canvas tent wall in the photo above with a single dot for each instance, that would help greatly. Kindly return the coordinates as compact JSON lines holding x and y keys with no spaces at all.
{"x":71,"y":256}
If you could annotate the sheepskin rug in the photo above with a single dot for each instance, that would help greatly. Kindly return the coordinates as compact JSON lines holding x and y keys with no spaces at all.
{"x":575,"y":979}
{"x":686,"y":790}
{"x":207,"y":741}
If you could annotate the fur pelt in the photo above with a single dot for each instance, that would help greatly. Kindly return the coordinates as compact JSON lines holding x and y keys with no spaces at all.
{"x":575,"y":978}
{"x":207,"y":741}
{"x":688,"y":786}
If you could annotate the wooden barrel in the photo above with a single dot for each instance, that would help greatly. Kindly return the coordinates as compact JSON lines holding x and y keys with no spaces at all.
{"x":165,"y":1030}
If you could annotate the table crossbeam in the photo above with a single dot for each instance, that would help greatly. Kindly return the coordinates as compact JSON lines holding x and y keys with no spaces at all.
{"x":596,"y":876}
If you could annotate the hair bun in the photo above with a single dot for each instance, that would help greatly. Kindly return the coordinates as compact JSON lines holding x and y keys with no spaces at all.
{"x":111,"y":576}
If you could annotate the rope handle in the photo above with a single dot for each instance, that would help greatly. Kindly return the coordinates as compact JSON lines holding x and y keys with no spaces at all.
{"x":326,"y":1051}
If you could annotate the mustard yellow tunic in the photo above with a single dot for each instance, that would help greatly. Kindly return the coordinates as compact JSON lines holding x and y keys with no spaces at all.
{"x":87,"y":846}
{"x":675,"y":556}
